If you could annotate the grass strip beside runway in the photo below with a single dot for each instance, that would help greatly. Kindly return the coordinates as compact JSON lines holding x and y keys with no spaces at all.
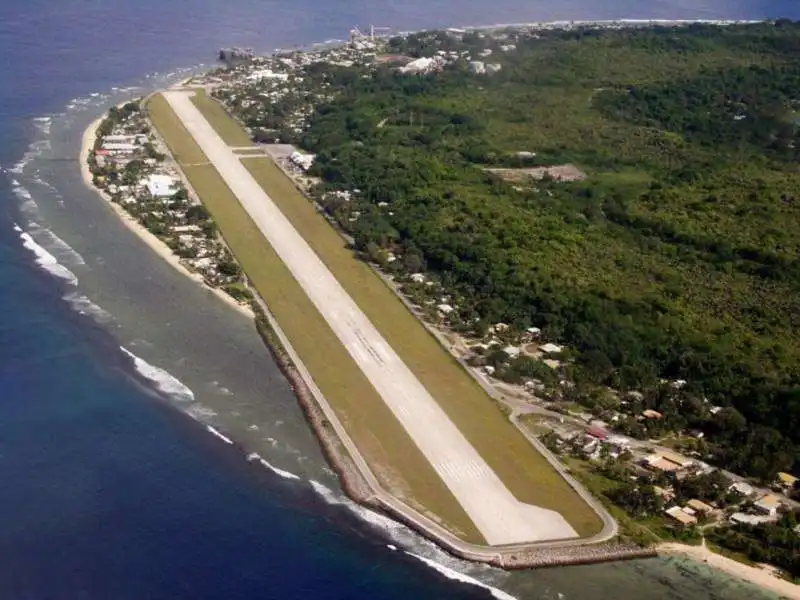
{"x":231,"y":132}
{"x":383,"y":441}
{"x":525,"y":471}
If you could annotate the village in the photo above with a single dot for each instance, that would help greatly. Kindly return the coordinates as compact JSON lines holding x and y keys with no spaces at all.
{"x":643,"y":452}
{"x":130,"y":166}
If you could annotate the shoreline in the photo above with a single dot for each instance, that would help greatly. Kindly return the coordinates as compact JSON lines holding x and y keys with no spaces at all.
{"x":761,"y":577}
{"x":360,"y":484}
{"x":354,"y":483}
{"x":152,"y":241}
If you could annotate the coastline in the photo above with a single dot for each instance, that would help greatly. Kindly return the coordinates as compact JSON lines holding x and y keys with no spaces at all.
{"x":761,"y":577}
{"x":152,"y":241}
{"x":352,"y":480}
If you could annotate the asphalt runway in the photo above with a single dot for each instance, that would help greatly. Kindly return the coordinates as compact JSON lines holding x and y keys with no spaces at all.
{"x":494,"y":510}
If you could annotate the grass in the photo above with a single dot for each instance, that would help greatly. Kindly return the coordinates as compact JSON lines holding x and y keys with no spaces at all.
{"x":228,"y":129}
{"x":526,"y":473}
{"x":370,"y":423}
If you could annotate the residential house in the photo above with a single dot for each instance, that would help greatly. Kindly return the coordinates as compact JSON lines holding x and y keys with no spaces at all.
{"x":550,"y":348}
{"x":768,"y":505}
{"x":681,"y":516}
{"x":745,"y":519}
{"x":160,"y":186}
{"x":652,"y":414}
{"x":786,"y":481}
{"x":743,"y":488}
{"x":701,"y":507}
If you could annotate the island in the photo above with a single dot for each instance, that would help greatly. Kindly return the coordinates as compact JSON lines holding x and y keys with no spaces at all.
{"x":511,"y":272}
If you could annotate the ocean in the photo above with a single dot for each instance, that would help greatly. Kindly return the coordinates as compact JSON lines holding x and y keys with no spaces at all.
{"x":122,"y":382}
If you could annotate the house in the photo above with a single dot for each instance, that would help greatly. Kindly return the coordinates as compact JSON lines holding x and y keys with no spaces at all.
{"x":120,"y":148}
{"x":740,"y":487}
{"x":304,"y":161}
{"x":667,"y":462}
{"x":681,"y":516}
{"x":676,"y":458}
{"x":652,"y":414}
{"x":477,"y":67}
{"x":745,"y":519}
{"x":418,"y":278}
{"x":512,"y":351}
{"x":597,"y":432}
{"x":786,"y":481}
{"x":657,"y":463}
{"x":445,"y":309}
{"x":160,"y":186}
{"x":550,"y":348}
{"x":768,"y":505}
{"x":591,"y":447}
{"x":534,"y":331}
{"x":700,"y":507}
{"x":489,"y":369}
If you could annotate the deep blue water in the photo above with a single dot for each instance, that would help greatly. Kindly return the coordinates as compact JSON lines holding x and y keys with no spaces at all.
{"x":106,"y":491}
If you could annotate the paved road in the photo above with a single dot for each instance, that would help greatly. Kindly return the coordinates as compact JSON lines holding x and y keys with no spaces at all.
{"x":494,"y":510}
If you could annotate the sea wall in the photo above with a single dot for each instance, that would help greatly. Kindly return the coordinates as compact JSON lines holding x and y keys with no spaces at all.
{"x":359,"y":483}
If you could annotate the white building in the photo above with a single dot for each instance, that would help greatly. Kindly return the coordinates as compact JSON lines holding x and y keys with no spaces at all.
{"x":161,"y":186}
{"x":550,"y":348}
{"x":477,"y":67}
{"x":445,"y":309}
{"x":267,"y":74}
{"x":304,"y":161}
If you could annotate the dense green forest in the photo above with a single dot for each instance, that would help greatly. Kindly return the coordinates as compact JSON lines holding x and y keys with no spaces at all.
{"x":677,"y":257}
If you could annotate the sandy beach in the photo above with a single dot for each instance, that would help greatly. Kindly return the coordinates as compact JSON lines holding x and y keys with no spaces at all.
{"x":159,"y":247}
{"x":762,"y":577}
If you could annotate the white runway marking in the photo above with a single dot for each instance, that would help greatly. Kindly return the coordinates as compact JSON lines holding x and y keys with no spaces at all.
{"x":494,"y":510}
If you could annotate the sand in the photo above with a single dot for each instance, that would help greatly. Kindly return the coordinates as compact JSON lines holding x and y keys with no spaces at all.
{"x":760,"y":576}
{"x":155,"y":244}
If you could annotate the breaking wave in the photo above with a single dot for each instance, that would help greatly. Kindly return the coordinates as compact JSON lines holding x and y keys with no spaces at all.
{"x":46,"y":260}
{"x":216,"y":433}
{"x":285,"y":474}
{"x":56,"y":245}
{"x":163,"y":381}
{"x":27,"y":204}
{"x":83,"y":305}
{"x":43,"y":124}
{"x":200,"y":413}
{"x":456,"y":576}
{"x":436,"y":558}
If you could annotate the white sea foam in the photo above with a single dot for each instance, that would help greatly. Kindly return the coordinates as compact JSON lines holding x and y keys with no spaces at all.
{"x":164,"y":381}
{"x":27,"y":204}
{"x":56,"y":245}
{"x":46,"y":260}
{"x":433,"y":556}
{"x":200,"y":413}
{"x":43,"y":124}
{"x":17,"y":228}
{"x":285,"y":474}
{"x":216,"y":433}
{"x":83,"y":305}
{"x":455,"y":575}
{"x":396,"y":530}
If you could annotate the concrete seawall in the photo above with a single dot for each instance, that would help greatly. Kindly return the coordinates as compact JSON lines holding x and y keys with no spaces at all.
{"x":361,"y":485}
{"x":358,"y":487}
